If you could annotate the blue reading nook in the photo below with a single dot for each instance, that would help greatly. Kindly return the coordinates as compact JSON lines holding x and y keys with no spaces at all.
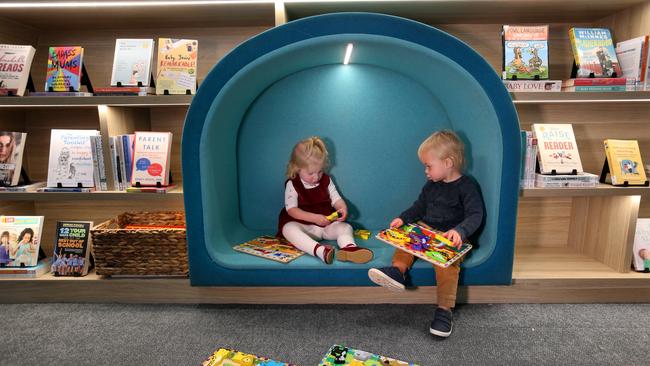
{"x":404,"y":81}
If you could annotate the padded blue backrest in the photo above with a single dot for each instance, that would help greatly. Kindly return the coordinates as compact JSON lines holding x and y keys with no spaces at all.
{"x":405,"y":81}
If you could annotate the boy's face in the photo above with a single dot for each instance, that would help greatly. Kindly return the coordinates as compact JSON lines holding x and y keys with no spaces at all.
{"x":436,"y":169}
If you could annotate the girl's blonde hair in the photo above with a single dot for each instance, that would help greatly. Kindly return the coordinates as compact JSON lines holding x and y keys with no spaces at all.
{"x":445,"y":144}
{"x":308,"y":151}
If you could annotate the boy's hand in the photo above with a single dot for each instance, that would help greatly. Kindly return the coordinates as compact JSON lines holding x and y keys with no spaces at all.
{"x":321,"y":220}
{"x":343,"y":213}
{"x":397,"y":222}
{"x":455,"y":238}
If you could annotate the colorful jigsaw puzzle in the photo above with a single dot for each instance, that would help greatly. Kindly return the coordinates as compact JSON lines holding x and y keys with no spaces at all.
{"x":227,"y":357}
{"x":270,"y":247}
{"x":425,"y":243}
{"x":341,"y":356}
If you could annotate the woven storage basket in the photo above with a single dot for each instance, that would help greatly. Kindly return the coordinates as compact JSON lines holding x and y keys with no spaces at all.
{"x":141,"y":251}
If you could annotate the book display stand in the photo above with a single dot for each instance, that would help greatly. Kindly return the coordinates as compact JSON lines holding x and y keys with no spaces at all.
{"x":606,"y":170}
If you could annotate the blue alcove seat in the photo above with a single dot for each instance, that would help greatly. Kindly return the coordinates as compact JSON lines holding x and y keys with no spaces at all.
{"x":405,"y":80}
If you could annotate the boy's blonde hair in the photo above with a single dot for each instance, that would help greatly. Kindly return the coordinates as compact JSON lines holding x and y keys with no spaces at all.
{"x":308,"y":151}
{"x":445,"y":144}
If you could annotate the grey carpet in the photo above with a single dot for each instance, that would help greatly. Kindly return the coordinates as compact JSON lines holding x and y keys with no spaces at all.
{"x":115,"y":334}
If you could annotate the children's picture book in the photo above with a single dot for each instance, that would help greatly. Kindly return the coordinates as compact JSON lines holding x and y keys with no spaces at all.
{"x":228,"y":357}
{"x":12,"y":146}
{"x":72,"y":247}
{"x":41,"y":268}
{"x":425,"y":243}
{"x":593,"y":51}
{"x":20,"y":239}
{"x":270,"y":247}
{"x":556,"y":148}
{"x":71,"y":159}
{"x":525,"y":52}
{"x":15,"y":63}
{"x":64,"y":66}
{"x":177,"y":63}
{"x":341,"y":355}
{"x":624,"y":160}
{"x":641,"y":251}
{"x":132,"y":62}
{"x":151,"y":158}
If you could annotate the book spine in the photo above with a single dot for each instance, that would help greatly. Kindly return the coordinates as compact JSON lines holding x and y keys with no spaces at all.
{"x":600,"y":88}
{"x":93,"y":148}
{"x":114,"y":164}
{"x":574,"y":47}
{"x":127,"y":157}
{"x":119,"y":146}
{"x":102,"y":164}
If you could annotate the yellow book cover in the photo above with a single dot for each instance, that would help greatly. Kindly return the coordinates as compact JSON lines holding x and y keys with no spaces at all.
{"x":177,"y":63}
{"x":624,"y":160}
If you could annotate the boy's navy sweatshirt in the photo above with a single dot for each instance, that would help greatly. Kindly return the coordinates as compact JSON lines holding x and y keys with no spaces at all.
{"x":444,"y":206}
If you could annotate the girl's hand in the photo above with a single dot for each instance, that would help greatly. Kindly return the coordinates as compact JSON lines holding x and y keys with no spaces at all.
{"x":343,"y":213}
{"x":321,"y":220}
{"x":396,"y":222}
{"x":455,"y":238}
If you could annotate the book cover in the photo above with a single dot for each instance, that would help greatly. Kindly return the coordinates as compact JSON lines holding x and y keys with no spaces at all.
{"x":529,"y":86}
{"x":15,"y":63}
{"x":633,"y":57}
{"x":425,"y":243}
{"x":71,"y":158}
{"x":228,"y":357}
{"x":525,"y":52}
{"x":270,"y":247}
{"x":593,"y":51}
{"x":20,"y":238}
{"x":598,"y":82}
{"x":624,"y":160}
{"x":557,"y":148}
{"x":23,"y":188}
{"x":12,"y":146}
{"x":641,"y":248}
{"x":132,"y":62}
{"x":151,"y":158}
{"x":41,"y":268}
{"x":341,"y":355}
{"x":72,"y":247}
{"x":64,"y":69}
{"x":177,"y":63}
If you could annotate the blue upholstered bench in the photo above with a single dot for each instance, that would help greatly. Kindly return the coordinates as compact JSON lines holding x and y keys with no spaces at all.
{"x":405,"y":80}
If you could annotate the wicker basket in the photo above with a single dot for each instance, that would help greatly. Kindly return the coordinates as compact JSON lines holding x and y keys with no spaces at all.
{"x":142,"y":251}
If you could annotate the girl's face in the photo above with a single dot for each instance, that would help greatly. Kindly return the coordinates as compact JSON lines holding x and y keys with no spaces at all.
{"x":27,"y":238}
{"x":5,"y":240}
{"x":436,"y":169}
{"x":312,"y":173}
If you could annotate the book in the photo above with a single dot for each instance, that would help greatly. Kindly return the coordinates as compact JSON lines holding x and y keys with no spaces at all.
{"x":525,"y":52}
{"x":163,"y":189}
{"x":15,"y":63}
{"x":228,"y":357}
{"x":270,"y":247}
{"x":425,"y":243}
{"x":128,"y":144}
{"x":132,"y":62}
{"x":633,"y":57}
{"x":599,"y":88}
{"x":12,"y":146}
{"x":124,"y":91}
{"x":529,"y":159}
{"x":60,"y":94}
{"x":341,"y":355}
{"x":533,"y":85}
{"x":64,"y":65}
{"x":72,"y":247}
{"x":177,"y":63}
{"x":71,"y":159}
{"x":118,"y":182}
{"x":556,"y":148}
{"x":593,"y":52}
{"x":99,"y":164}
{"x":151,"y":158}
{"x":598,"y":81}
{"x":641,"y":247}
{"x":566,"y":180}
{"x":23,"y":188}
{"x":65,"y":189}
{"x":41,"y":268}
{"x":624,"y":160}
{"x":20,"y":240}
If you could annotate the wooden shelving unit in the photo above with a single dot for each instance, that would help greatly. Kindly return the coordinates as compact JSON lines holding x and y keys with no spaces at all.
{"x":564,"y":236}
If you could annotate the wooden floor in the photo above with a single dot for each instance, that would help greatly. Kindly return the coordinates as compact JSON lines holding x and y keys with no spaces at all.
{"x":540,"y":276}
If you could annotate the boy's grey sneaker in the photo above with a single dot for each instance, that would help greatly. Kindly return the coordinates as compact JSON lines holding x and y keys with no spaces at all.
{"x":442,"y":323}
{"x":389,"y":277}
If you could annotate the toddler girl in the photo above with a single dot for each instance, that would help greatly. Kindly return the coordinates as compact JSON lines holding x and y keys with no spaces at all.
{"x":310,"y":196}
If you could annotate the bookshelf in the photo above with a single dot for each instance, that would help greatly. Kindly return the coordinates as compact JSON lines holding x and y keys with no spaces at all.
{"x":548,"y":220}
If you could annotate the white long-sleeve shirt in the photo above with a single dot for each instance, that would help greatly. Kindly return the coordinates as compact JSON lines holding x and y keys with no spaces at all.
{"x":291,"y":196}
